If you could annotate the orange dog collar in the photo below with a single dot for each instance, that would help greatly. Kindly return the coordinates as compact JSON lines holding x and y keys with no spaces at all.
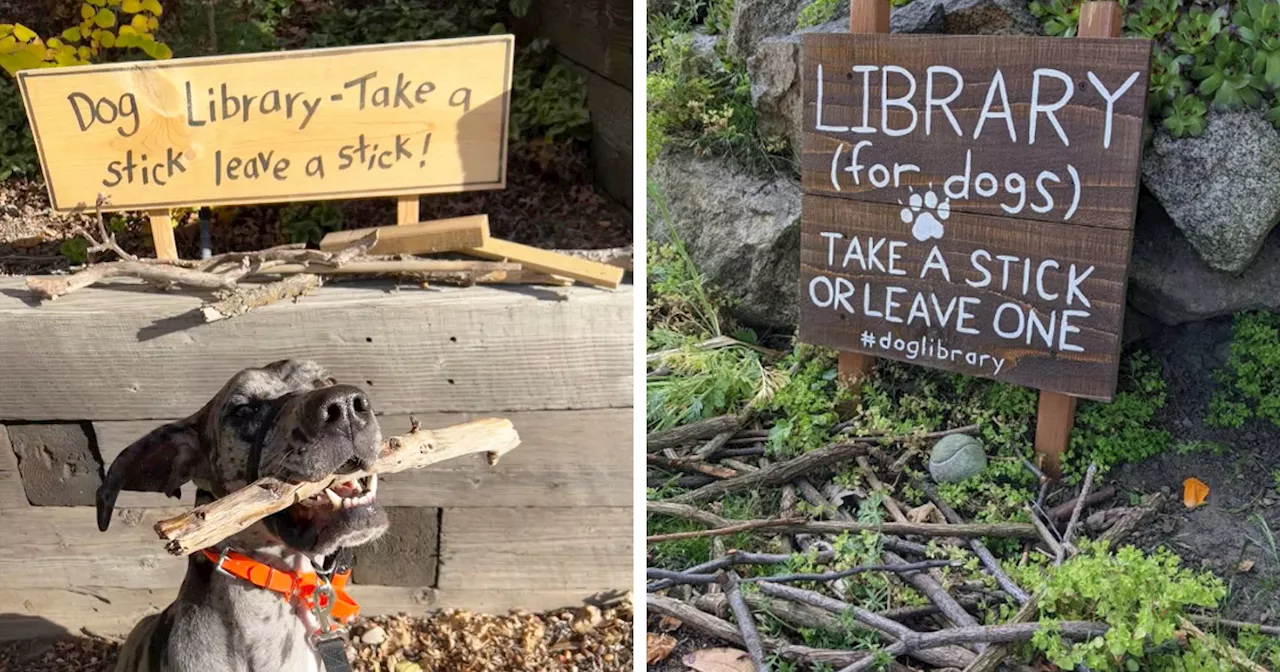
{"x":325,"y":597}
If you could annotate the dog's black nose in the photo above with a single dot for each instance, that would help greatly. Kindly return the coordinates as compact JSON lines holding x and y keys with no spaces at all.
{"x":340,"y":408}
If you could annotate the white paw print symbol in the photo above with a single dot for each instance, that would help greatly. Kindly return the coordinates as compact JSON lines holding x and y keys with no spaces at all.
{"x":926,"y":215}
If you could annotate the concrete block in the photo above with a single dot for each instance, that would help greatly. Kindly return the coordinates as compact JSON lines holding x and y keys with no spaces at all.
{"x":407,"y":555}
{"x":57,"y":464}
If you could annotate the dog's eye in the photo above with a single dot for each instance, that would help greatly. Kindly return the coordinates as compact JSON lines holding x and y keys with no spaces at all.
{"x":242,"y":410}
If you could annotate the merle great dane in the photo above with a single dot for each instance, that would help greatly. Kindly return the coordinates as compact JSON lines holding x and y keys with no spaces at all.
{"x":288,"y":419}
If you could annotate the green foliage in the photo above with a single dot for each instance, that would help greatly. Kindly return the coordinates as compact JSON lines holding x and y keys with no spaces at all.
{"x":701,"y":101}
{"x":17,"y":148}
{"x":309,"y":222}
{"x":1204,"y":56}
{"x":803,"y":407}
{"x":1141,"y":597}
{"x":1124,"y":430}
{"x":552,"y":106}
{"x":703,"y":384}
{"x":76,"y":250}
{"x":108,"y":30}
{"x":1249,"y":384}
{"x":1000,"y":494}
{"x":680,"y":298}
{"x":1258,"y":647}
{"x":817,"y":13}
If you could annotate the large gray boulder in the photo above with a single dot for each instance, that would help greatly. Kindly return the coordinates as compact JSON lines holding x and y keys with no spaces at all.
{"x":1169,"y":282}
{"x":1221,"y":189}
{"x":774,"y":64}
{"x":754,"y":20}
{"x":741,"y":229}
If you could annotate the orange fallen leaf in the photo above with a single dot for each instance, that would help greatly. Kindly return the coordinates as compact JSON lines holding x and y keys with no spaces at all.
{"x":1194,"y":492}
{"x":658,"y":647}
{"x":1245,"y":566}
{"x":719,"y":660}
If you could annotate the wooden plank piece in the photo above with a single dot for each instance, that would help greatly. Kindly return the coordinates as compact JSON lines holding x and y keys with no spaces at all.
{"x":566,"y":458}
{"x":407,"y":209}
{"x":442,"y":235}
{"x":162,"y":234}
{"x":552,"y":548}
{"x":553,"y":263}
{"x":452,"y":349}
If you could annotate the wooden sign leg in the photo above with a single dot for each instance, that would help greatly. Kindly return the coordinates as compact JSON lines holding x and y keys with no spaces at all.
{"x":1055,"y":417}
{"x":407,"y":210}
{"x":865,"y":16}
{"x":1057,"y":412}
{"x":162,"y":234}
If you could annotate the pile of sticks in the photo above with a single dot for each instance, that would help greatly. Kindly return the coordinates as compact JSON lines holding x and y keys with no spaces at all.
{"x":724,"y":455}
{"x":298,"y":270}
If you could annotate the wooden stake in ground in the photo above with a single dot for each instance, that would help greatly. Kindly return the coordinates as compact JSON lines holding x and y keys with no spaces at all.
{"x":213,"y":522}
{"x":1056,"y":414}
{"x":865,"y":16}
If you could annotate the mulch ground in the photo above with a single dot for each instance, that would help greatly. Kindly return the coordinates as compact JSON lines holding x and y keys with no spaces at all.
{"x":569,"y":640}
{"x":551,"y":201}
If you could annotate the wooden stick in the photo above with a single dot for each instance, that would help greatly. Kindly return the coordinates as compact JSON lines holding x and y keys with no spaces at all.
{"x":1222,"y":648}
{"x":441,"y":235}
{"x":394,"y":267}
{"x":1132,"y":520}
{"x":1065,"y":509}
{"x":792,"y":525}
{"x":241,"y":301}
{"x":778,"y":474}
{"x":53,"y":287}
{"x":696,"y":431}
{"x":582,"y":270}
{"x":993,"y":656}
{"x":979,"y":549}
{"x":213,"y":522}
{"x":1075,"y":513}
{"x":742,"y":614}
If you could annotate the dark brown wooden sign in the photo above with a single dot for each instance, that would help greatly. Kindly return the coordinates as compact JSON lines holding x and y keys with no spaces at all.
{"x":969,"y":202}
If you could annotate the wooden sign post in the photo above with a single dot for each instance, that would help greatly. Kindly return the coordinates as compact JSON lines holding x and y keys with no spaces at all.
{"x":969,"y":204}
{"x":382,"y":120}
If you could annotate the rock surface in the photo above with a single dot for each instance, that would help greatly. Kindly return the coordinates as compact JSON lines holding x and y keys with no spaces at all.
{"x":1171,"y":283}
{"x":57,"y":464}
{"x":742,"y":230}
{"x":955,"y":458}
{"x":1221,"y":189}
{"x":754,"y":20}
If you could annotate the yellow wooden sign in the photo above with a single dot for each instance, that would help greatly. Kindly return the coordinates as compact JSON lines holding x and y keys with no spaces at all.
{"x":379,"y":120}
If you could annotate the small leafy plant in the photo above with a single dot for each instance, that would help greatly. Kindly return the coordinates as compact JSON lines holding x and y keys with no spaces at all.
{"x":1249,"y":384}
{"x":309,"y":222}
{"x":1123,"y":431}
{"x":106,"y":27}
{"x":1140,"y":597}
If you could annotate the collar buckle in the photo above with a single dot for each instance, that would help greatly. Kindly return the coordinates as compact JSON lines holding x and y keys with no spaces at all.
{"x":222,"y":558}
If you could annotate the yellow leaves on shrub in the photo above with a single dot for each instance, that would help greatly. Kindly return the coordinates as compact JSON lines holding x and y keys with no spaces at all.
{"x":1194,"y":492}
{"x":107,"y":40}
{"x":24,"y":34}
{"x":105,"y":18}
{"x":87,"y":11}
{"x":71,"y":34}
{"x":152,"y":6}
{"x":131,"y":6}
{"x":139,"y":23}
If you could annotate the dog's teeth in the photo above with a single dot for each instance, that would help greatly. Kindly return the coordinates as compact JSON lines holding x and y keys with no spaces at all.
{"x":334,"y":499}
{"x":348,"y":503}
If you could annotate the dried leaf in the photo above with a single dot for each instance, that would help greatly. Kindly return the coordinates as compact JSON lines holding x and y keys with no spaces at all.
{"x":924,"y":514}
{"x":669,"y":623}
{"x":1194,"y":492}
{"x":657,"y":647}
{"x":719,"y":660}
{"x":1245,"y":566}
{"x":586,"y":619}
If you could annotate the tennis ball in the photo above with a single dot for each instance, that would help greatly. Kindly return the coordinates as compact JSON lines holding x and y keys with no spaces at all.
{"x":955,"y":458}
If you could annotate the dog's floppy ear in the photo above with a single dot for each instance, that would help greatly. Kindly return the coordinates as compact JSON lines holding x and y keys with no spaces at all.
{"x":161,"y":461}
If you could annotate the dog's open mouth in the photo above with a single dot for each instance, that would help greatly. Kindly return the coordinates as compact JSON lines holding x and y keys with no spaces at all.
{"x":346,"y":514}
{"x":360,"y":492}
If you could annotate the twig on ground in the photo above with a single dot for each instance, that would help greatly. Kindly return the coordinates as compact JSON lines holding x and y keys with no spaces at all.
{"x":1223,"y":648}
{"x":733,"y":558}
{"x":988,"y":660}
{"x":688,"y":512}
{"x":673,"y":578}
{"x":886,"y":498}
{"x":777,"y":474}
{"x":979,"y":549}
{"x":713,"y":446}
{"x":54,"y":287}
{"x":1075,"y":512}
{"x":860,"y":569}
{"x":1132,"y":520}
{"x":935,"y":592}
{"x":729,"y":582}
{"x":946,"y":656}
{"x":697,"y":431}
{"x":791,"y":525}
{"x":1064,"y":509}
{"x":689,"y":465}
{"x":1046,"y":535}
